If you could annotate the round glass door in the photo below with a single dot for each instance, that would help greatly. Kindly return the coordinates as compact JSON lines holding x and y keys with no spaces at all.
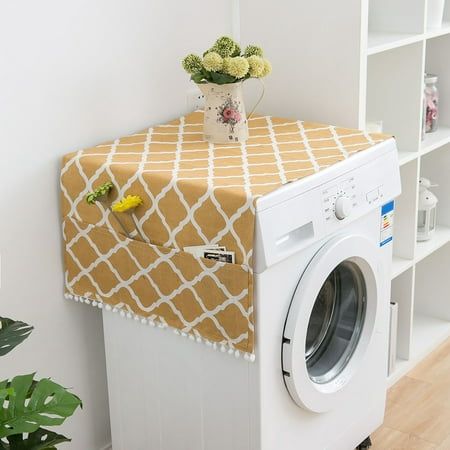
{"x":336,"y":323}
{"x":327,"y":339}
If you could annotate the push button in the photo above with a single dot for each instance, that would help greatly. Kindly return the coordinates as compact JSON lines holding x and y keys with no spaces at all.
{"x":372,"y":195}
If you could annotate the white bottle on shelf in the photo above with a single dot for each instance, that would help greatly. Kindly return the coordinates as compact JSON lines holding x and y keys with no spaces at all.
{"x":393,"y":337}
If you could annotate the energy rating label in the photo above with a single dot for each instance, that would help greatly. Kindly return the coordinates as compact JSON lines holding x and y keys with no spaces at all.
{"x":387,"y":223}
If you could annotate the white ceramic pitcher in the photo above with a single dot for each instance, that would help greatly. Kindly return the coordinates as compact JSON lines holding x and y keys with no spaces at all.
{"x":225,"y":120}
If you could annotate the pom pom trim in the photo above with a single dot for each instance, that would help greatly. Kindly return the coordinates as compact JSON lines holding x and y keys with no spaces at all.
{"x":159,"y":322}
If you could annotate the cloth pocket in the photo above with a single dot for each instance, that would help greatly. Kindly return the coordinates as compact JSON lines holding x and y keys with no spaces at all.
{"x":204,"y":298}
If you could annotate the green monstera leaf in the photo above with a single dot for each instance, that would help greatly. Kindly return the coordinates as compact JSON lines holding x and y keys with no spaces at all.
{"x":27,"y":404}
{"x":12,"y":333}
{"x":41,"y":439}
{"x":4,"y":393}
{"x":32,"y":404}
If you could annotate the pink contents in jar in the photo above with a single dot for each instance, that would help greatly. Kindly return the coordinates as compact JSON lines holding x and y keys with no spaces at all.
{"x":431,"y":103}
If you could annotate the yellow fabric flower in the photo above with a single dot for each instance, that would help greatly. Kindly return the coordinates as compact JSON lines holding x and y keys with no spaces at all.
{"x":226,"y":64}
{"x":267,"y":67}
{"x":237,"y":66}
{"x":213,"y":62}
{"x":256,"y":66}
{"x":127,"y":203}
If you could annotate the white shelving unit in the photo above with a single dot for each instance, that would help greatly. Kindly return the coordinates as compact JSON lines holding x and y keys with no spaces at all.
{"x":366,"y":62}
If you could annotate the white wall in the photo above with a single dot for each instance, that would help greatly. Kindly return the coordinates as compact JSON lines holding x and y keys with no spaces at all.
{"x":73,"y":74}
{"x":295,"y":34}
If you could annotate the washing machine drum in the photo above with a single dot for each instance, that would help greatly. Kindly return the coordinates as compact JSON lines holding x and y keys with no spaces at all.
{"x":336,"y":322}
{"x":331,"y":319}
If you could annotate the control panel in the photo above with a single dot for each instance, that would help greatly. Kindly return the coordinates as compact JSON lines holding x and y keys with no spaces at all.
{"x":342,"y":198}
{"x":339,"y":200}
{"x":329,"y":202}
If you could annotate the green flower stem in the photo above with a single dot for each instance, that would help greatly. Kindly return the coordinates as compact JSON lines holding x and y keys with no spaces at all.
{"x":107,"y":205}
{"x":116,"y":216}
{"x":136,"y":224}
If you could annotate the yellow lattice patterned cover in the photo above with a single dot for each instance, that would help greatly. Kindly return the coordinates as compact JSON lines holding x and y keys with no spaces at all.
{"x":194,"y":193}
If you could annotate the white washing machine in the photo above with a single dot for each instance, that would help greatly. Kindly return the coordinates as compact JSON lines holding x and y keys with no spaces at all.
{"x":323,"y":250}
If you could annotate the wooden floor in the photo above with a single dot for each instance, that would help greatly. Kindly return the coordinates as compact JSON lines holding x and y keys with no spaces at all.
{"x":418,"y":407}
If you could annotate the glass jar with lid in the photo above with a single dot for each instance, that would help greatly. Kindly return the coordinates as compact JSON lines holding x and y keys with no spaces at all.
{"x":431,"y":103}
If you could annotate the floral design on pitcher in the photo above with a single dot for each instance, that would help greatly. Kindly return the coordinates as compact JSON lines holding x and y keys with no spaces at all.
{"x":228,"y":114}
{"x":219,"y":73}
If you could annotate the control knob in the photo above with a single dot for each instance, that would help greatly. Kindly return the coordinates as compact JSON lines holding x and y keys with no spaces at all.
{"x":343,"y":207}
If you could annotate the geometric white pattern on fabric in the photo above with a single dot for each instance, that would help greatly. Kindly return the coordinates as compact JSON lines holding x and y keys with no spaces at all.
{"x":188,"y":184}
{"x":188,"y":326}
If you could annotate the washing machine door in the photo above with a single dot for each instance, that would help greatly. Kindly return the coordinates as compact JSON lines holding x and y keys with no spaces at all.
{"x":330,"y":322}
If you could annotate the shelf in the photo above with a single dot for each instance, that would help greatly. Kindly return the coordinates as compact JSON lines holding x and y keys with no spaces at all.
{"x":432,"y":33}
{"x":440,"y":238}
{"x":382,"y":41}
{"x":435,"y":140}
{"x":427,"y":334}
{"x":400,"y":265}
{"x":406,"y":157}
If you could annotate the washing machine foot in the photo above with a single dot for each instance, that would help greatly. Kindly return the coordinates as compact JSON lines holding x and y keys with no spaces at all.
{"x":365,"y":444}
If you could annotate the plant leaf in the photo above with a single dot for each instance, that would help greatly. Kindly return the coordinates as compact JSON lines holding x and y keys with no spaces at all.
{"x":197,"y":77}
{"x":34,"y":404}
{"x":5,"y":393}
{"x":41,"y":439}
{"x":222,"y":78}
{"x":12,"y":333}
